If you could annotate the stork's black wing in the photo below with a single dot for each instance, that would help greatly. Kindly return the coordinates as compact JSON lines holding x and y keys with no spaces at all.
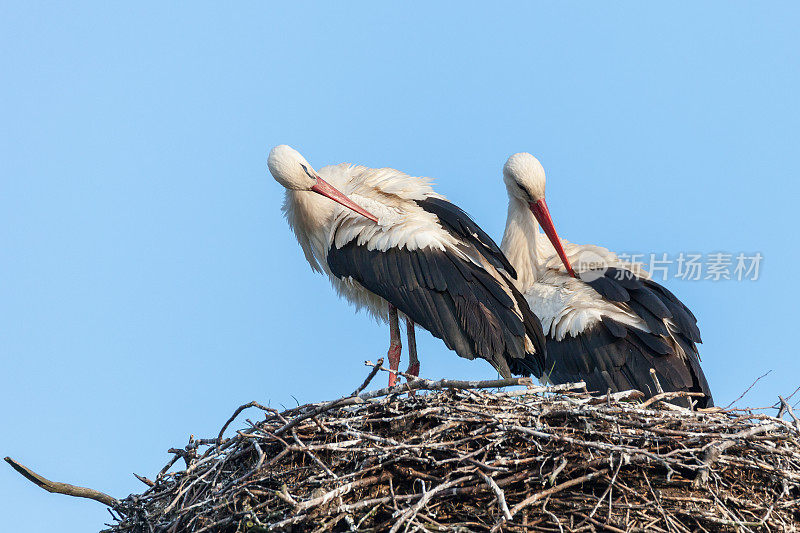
{"x":612,"y":355}
{"x":475,"y":313}
{"x":457,"y":222}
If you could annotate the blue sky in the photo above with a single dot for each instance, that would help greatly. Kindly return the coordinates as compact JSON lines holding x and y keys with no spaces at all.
{"x":149,"y":284}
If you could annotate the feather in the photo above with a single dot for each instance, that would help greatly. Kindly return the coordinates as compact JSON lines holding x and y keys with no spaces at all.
{"x":449,"y":296}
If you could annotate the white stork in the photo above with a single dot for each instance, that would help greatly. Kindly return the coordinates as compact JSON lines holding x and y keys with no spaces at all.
{"x":389,"y":243}
{"x":609,"y":324}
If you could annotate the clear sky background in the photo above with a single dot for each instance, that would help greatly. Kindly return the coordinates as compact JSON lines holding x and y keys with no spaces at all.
{"x":149,"y":284}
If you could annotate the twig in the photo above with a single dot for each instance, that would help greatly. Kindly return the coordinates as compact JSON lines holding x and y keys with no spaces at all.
{"x":767,"y":373}
{"x":144,"y":480}
{"x":339,"y":491}
{"x":621,"y":396}
{"x":655,"y":381}
{"x":715,"y":450}
{"x":426,"y":497}
{"x":499,"y":494}
{"x":793,"y":393}
{"x":785,"y":405}
{"x":567,"y":484}
{"x":670,"y":396}
{"x":607,"y":492}
{"x":372,"y":374}
{"x":236,"y":413}
{"x":63,"y":488}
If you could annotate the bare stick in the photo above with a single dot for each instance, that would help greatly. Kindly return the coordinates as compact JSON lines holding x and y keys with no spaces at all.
{"x":63,"y":488}
{"x":715,"y":449}
{"x":375,"y":370}
{"x":748,"y":388}
{"x":669,"y":396}
{"x":236,"y":413}
{"x":499,"y":494}
{"x":655,"y":381}
{"x":339,"y":491}
{"x":627,"y":395}
{"x":567,"y":484}
{"x":792,"y":394}
{"x":785,"y":405}
{"x":144,"y":480}
{"x":411,"y":512}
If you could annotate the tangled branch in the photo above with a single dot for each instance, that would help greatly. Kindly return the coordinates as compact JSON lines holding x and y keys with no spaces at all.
{"x":465,"y":456}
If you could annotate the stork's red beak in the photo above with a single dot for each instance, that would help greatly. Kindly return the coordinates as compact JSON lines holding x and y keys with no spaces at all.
{"x":326,"y":189}
{"x":542,"y":214}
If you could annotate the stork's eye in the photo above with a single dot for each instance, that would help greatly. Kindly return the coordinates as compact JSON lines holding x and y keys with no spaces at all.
{"x":305,"y":169}
{"x":524,"y":190}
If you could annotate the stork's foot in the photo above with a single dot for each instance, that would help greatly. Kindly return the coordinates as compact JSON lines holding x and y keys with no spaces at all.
{"x":394,"y":362}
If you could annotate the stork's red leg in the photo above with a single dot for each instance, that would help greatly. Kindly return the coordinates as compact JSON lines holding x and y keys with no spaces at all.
{"x":395,"y":346}
{"x":413,"y":362}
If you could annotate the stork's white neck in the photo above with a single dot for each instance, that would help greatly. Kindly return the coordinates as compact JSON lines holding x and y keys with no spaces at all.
{"x":309,"y":215}
{"x":519,"y":243}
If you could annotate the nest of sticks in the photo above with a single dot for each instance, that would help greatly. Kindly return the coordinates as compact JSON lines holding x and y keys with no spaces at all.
{"x":468,"y":456}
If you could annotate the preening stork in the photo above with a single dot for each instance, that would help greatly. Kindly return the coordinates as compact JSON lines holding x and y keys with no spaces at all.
{"x":390,"y":244}
{"x":606,"y":322}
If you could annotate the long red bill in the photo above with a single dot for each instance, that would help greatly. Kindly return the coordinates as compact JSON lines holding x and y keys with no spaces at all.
{"x":542,"y":214}
{"x":326,"y":189}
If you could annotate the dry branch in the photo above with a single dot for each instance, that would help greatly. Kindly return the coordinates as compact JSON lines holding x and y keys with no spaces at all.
{"x":62,"y":488}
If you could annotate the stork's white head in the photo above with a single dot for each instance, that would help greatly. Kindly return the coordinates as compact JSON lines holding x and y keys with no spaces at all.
{"x":524,"y":179}
{"x":291,"y":170}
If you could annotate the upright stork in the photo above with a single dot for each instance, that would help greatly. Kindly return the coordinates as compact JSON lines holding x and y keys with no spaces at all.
{"x":606,"y":322}
{"x":391,"y":245}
